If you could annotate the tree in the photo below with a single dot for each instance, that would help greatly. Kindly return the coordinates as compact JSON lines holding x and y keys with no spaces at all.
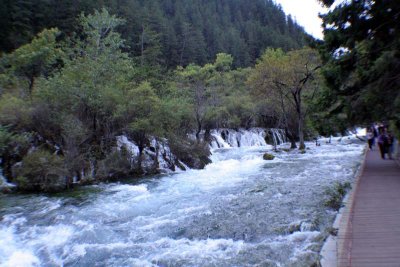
{"x":361,"y":55}
{"x":141,"y":113}
{"x":175,"y":32}
{"x":33,"y":60}
{"x":89,"y":87}
{"x":204,"y":86}
{"x":287,"y":78}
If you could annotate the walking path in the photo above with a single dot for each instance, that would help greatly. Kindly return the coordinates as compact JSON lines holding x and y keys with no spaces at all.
{"x":370,"y":235}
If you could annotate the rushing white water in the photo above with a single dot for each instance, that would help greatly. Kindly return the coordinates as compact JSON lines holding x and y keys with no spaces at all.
{"x":224,"y":138}
{"x":239,"y":211}
{"x":4,"y":185}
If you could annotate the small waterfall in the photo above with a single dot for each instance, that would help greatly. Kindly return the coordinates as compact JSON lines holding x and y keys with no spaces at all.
{"x":157,"y":150}
{"x":132,"y":148}
{"x":224,"y":138}
{"x":3,"y":181}
{"x":166,"y":160}
{"x":276,"y":136}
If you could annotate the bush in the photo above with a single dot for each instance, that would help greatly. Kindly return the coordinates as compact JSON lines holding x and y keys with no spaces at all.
{"x":116,"y":165}
{"x":15,"y":111}
{"x":13,"y":147}
{"x":41,"y":171}
{"x":336,"y":194}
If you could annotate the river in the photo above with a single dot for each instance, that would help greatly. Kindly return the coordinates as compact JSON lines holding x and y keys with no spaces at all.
{"x":239,"y":211}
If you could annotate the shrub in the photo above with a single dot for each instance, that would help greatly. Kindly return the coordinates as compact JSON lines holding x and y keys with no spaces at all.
{"x":14,"y":111}
{"x":41,"y":171}
{"x":336,"y":194}
{"x":116,"y":165}
{"x":12,"y":148}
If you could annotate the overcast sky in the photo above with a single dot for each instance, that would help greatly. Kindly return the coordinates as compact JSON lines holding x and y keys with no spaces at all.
{"x":305,"y":12}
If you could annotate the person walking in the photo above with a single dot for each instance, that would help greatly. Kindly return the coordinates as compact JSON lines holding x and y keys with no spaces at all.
{"x":374,"y":129}
{"x":382,"y":142}
{"x":389,"y":147}
{"x":370,"y":137}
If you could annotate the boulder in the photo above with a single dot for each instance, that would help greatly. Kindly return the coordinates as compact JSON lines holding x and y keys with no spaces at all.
{"x":268,"y":156}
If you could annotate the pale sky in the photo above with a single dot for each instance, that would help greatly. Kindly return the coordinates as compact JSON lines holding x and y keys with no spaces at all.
{"x":305,"y":12}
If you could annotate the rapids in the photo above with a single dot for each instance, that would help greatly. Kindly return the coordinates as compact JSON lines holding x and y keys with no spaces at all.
{"x":239,"y":211}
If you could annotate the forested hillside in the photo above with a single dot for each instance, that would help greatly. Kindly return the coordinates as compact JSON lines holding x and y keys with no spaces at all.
{"x":166,"y":32}
{"x":77,"y":79}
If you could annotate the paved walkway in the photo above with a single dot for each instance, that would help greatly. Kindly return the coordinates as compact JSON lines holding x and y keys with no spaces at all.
{"x":372,"y":234}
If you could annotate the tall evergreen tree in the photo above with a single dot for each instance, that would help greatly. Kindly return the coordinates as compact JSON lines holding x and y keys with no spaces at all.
{"x":361,"y":49}
{"x":164,"y":32}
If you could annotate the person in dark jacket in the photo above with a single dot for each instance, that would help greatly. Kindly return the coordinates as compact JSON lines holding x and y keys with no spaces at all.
{"x":389,"y":147}
{"x":370,"y":137}
{"x":382,"y":142}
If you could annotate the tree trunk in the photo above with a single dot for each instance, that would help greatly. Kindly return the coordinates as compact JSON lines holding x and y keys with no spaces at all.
{"x":198,"y":131}
{"x":291,"y":139}
{"x":301,"y":132}
{"x":142,"y":47}
{"x":293,"y":143}
{"x":30,"y":83}
{"x":183,"y":49}
{"x":300,"y":119}
{"x":207,"y":135}
{"x":140,"y":158}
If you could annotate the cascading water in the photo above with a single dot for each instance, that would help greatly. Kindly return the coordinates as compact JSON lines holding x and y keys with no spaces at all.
{"x":4,"y":185}
{"x":239,"y":211}
{"x":165,"y":159}
{"x":224,"y":138}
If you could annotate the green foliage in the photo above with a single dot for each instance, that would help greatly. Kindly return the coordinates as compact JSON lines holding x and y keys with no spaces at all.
{"x":92,"y":83}
{"x":326,"y":114}
{"x":15,"y":111}
{"x":268,"y":156}
{"x":12,"y":143}
{"x":217,"y":94}
{"x":116,"y":165}
{"x":76,"y":91}
{"x":335,"y":195}
{"x":31,"y":60}
{"x":101,"y":38}
{"x":144,"y":103}
{"x":41,"y":171}
{"x":361,"y":52}
{"x":287,"y":81}
{"x":167,"y":33}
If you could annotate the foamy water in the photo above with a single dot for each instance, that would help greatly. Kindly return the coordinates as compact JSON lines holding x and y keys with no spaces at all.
{"x":238,"y":211}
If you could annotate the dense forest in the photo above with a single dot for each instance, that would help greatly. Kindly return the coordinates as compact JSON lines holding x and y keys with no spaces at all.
{"x":165,"y":32}
{"x":77,"y":76}
{"x":74,"y":77}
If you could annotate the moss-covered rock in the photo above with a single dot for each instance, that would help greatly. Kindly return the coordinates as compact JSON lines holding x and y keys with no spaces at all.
{"x":194,"y":154}
{"x":268,"y":156}
{"x":116,"y":165}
